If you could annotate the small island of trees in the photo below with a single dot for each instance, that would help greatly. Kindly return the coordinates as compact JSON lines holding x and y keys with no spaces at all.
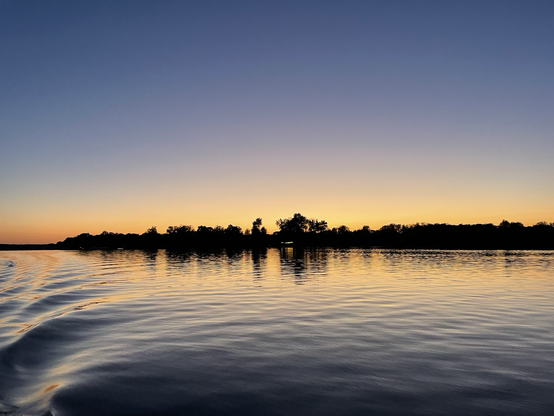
{"x":300,"y":230}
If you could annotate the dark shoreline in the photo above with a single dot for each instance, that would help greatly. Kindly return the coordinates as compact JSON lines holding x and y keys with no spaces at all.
{"x":21,"y":247}
{"x":48,"y":247}
{"x":299,"y":231}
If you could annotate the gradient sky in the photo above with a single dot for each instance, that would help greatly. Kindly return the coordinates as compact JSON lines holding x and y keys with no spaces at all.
{"x":120,"y":115}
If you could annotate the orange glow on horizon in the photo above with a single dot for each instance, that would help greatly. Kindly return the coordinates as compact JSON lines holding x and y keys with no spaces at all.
{"x":57,"y":229}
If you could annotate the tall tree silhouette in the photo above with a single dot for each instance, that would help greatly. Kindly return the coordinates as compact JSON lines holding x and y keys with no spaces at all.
{"x":317,"y":226}
{"x":295,"y":225}
{"x":256,"y":226}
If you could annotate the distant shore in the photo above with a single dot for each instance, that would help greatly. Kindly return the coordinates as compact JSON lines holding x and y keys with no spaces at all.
{"x":19,"y":247}
{"x":299,"y":231}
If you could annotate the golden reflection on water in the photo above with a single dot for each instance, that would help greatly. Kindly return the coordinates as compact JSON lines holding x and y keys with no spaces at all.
{"x":69,"y":317}
{"x":458,"y":270}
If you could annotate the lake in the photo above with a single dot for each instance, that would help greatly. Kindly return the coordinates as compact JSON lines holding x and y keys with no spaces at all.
{"x":277,"y":332}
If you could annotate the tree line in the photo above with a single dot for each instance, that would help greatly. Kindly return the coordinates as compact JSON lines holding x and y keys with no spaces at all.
{"x":299,"y":230}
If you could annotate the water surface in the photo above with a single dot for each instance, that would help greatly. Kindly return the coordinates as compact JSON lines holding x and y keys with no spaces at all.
{"x":277,"y":332}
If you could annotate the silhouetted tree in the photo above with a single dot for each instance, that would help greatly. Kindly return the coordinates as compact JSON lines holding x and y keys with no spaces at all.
{"x":317,"y":226}
{"x":343,"y":229}
{"x":391,"y":228}
{"x":295,"y":225}
{"x":152,"y":231}
{"x":233,"y":230}
{"x":179,"y":229}
{"x":185,"y":229}
{"x":151,"y":238}
{"x":256,"y":226}
{"x":506,"y":235}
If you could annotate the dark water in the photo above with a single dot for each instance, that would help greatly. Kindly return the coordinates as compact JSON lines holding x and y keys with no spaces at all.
{"x":325,"y":332}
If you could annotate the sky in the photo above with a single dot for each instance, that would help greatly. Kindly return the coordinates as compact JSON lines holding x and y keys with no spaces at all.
{"x":122,"y":115}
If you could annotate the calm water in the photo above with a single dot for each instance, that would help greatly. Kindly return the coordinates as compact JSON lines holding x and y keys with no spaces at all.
{"x":279,"y":332}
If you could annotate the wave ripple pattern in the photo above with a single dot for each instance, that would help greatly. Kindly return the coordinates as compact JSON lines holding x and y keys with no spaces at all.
{"x":277,"y":332}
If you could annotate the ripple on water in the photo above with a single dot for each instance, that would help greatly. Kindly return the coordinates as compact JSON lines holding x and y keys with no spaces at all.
{"x":322,"y":332}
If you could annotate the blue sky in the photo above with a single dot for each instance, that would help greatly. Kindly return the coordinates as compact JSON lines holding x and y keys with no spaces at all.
{"x":120,"y":115}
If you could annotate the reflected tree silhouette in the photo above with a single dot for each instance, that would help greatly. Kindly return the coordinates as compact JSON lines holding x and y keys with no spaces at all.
{"x":292,"y":263}
{"x":303,"y":262}
{"x":259,"y":257}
